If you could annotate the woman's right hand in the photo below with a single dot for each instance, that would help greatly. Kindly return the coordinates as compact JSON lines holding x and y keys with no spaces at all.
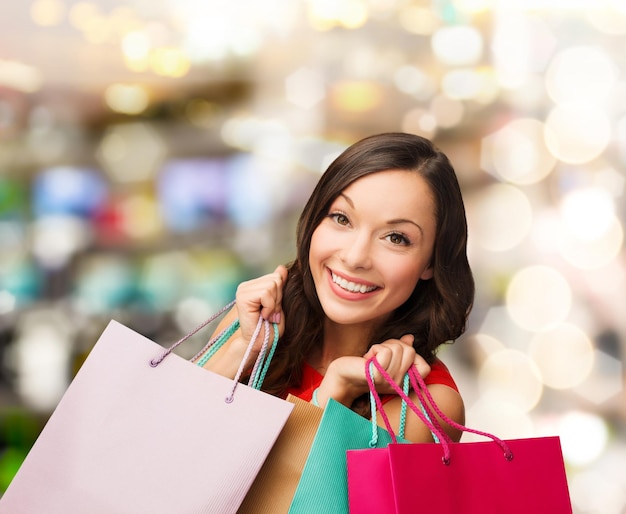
{"x":260,"y":297}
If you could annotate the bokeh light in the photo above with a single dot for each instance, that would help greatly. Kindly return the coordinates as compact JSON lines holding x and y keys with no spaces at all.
{"x":538,"y":298}
{"x":355,"y":96}
{"x":564,"y":355}
{"x":591,"y":254}
{"x":581,"y":74}
{"x":305,"y":88}
{"x":510,"y":377}
{"x":500,"y":217}
{"x":588,"y":213}
{"x":458,"y":45}
{"x":577,"y":133}
{"x":131,"y":152}
{"x":127,"y":98}
{"x":56,"y":239}
{"x":517,"y":152}
{"x":326,"y":14}
{"x":41,"y":356}
{"x":47,"y":12}
{"x":584,"y":436}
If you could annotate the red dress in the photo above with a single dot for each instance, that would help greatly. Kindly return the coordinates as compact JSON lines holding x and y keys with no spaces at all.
{"x":311,"y":380}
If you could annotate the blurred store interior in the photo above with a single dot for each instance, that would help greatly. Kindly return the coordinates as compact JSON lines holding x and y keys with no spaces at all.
{"x":154,"y":153}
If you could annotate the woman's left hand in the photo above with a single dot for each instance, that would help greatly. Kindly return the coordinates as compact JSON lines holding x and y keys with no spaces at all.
{"x":345,"y":378}
{"x":396,"y":356}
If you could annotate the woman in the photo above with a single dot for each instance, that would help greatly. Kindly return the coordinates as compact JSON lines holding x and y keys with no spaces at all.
{"x":381,"y":269}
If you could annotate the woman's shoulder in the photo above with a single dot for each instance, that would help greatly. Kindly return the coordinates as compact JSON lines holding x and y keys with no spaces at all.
{"x":440,"y":374}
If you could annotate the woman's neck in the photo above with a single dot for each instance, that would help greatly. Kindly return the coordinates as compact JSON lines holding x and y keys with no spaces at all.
{"x":339,"y":341}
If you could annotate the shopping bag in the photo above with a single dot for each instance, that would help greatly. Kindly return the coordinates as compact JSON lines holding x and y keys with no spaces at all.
{"x":488,"y":477}
{"x":480,"y":479}
{"x":370,"y":485}
{"x":323,"y":485}
{"x":275,"y":485}
{"x":140,"y":430}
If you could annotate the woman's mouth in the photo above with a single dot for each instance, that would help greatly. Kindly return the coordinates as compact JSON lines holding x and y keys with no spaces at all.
{"x":352,"y":287}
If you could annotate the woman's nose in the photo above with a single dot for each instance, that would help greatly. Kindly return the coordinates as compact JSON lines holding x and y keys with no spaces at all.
{"x":357,"y":252}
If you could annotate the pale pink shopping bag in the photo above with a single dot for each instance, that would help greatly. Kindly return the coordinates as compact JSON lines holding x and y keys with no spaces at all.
{"x":133,"y":437}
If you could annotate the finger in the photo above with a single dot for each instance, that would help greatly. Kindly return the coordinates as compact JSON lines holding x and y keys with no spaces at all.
{"x":270,"y":303}
{"x":282,"y":272}
{"x":408,"y":339}
{"x":279,"y":277}
{"x":423,"y":368}
{"x":382,"y":353}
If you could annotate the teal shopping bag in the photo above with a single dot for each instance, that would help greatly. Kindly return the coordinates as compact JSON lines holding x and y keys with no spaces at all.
{"x":323,"y":486}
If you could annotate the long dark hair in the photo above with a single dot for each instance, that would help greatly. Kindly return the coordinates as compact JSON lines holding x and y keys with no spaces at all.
{"x":437,"y":310}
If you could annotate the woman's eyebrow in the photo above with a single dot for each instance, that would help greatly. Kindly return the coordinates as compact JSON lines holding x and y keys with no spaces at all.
{"x":390,"y":222}
{"x":347,"y":199}
{"x":402,"y":220}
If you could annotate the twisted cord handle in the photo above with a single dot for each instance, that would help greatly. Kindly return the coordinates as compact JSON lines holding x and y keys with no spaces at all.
{"x":377,"y":406}
{"x":261,"y":364}
{"x":424,"y":393}
{"x":213,"y":346}
{"x":437,"y":430}
{"x":242,"y":364}
{"x":256,"y":380}
{"x":406,"y":385}
{"x":258,"y":363}
{"x":156,"y":361}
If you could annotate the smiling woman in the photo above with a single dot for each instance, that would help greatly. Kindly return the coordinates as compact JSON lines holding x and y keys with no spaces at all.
{"x":381,"y":270}
{"x":376,"y":243}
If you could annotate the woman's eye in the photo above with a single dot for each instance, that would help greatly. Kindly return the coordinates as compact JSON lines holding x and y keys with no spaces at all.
{"x":398,"y":239}
{"x":340,"y":218}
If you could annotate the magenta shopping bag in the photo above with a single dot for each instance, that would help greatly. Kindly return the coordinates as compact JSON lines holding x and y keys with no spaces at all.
{"x":492,"y":477}
{"x":142,"y":430}
{"x":480,"y":479}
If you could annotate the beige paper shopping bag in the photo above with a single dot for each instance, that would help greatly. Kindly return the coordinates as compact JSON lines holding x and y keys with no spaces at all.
{"x":276,"y":483}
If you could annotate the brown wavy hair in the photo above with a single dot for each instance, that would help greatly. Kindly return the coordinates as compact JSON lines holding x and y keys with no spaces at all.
{"x":437,"y":310}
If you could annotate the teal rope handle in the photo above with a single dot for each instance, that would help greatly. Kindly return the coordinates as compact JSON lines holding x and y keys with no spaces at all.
{"x":217,"y":342}
{"x":258,"y":382}
{"x":374,"y":440}
{"x":212,"y":347}
{"x":257,"y":379}
{"x":406,"y":385}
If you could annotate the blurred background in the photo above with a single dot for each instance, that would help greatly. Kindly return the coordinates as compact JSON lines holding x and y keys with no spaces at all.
{"x":154,"y":153}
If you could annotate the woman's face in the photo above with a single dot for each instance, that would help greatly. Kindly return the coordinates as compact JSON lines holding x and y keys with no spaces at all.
{"x":374,"y":245}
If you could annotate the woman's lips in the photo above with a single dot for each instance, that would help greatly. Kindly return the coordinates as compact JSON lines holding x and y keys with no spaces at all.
{"x":345,"y":286}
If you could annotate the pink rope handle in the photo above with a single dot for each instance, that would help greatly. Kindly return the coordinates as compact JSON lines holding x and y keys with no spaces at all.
{"x":426,"y":407}
{"x":229,"y":399}
{"x":418,"y":383}
{"x":443,"y":438}
{"x":158,"y":360}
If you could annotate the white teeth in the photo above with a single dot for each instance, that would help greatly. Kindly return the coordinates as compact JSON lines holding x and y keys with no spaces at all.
{"x":351,"y":286}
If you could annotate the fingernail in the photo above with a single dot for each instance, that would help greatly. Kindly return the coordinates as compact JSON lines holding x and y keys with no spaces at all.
{"x":276,"y":317}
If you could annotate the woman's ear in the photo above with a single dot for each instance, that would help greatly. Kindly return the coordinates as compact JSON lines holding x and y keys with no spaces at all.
{"x":427,"y":273}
